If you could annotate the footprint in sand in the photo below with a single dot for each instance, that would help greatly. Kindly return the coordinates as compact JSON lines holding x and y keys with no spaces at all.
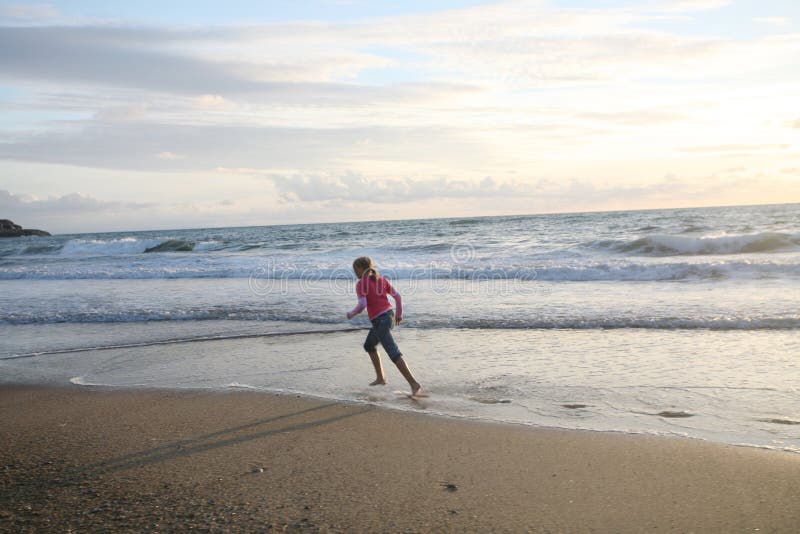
{"x":484,"y":400}
{"x":675,"y":415}
{"x":777,"y":421}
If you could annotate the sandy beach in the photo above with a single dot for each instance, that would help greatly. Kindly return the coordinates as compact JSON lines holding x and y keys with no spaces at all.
{"x":85,"y":459}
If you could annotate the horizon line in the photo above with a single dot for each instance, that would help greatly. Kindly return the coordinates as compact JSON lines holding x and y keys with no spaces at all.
{"x":318,"y":223}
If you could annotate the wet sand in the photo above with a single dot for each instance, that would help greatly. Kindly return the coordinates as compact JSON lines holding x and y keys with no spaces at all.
{"x":86,"y":459}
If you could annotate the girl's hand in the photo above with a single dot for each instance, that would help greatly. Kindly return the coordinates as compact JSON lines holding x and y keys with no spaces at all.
{"x":397,"y":320}
{"x":349,"y":316}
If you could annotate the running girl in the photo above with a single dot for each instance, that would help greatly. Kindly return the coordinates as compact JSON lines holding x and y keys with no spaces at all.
{"x":372,"y":290}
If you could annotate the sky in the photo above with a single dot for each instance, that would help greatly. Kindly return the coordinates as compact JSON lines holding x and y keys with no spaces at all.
{"x":196,"y":113}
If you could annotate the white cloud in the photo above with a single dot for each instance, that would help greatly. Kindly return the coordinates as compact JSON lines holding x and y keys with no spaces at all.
{"x":29,"y":13}
{"x":123,"y":112}
{"x":170,"y":156}
{"x":736,"y":148}
{"x":510,"y":44}
{"x":352,"y":186}
{"x":328,"y":195}
{"x":213,"y":102}
{"x":693,"y":5}
{"x":774,"y":21}
{"x":141,"y":146}
{"x":21,"y":205}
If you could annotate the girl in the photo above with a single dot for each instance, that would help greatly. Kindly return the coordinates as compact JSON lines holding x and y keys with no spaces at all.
{"x":372,"y":290}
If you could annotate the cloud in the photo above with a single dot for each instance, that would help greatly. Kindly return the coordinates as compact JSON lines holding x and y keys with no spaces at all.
{"x":73,"y":203}
{"x":100,"y":56}
{"x":539,"y":193}
{"x":156,"y":60}
{"x":635,"y":117}
{"x":694,"y":5}
{"x":414,"y":196}
{"x":506,"y":44}
{"x":123,"y":112}
{"x":774,"y":21}
{"x":149,"y":146}
{"x":213,"y":102}
{"x":734,"y":148}
{"x":29,"y":13}
{"x":353,"y":186}
{"x":170,"y":156}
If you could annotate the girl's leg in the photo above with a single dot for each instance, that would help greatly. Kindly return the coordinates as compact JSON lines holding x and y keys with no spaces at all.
{"x":370,"y":345}
{"x":383,"y":331}
{"x":406,"y":372}
{"x":376,"y":362}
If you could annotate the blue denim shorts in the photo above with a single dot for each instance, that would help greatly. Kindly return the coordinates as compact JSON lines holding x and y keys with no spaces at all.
{"x":381,"y":333}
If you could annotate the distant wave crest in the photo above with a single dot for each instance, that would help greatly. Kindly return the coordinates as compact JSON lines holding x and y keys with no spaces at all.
{"x":113,"y":247}
{"x":673,"y":245}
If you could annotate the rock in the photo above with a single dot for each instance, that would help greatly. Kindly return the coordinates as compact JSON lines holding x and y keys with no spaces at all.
{"x":9,"y":229}
{"x":5,"y":224}
{"x":40,"y":233}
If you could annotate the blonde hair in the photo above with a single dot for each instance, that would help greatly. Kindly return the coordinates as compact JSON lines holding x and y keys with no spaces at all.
{"x":364,"y":265}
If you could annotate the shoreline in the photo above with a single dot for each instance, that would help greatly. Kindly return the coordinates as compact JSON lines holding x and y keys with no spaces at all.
{"x":421,"y":411}
{"x":536,"y":390}
{"x":157,"y":460}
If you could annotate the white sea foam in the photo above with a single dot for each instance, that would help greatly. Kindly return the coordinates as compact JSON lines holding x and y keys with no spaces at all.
{"x":207,"y":245}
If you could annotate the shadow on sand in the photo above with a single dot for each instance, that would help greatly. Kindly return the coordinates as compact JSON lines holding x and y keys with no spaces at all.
{"x":215,"y":440}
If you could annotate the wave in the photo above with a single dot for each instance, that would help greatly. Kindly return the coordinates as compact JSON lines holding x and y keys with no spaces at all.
{"x":113,"y":247}
{"x":720,"y":323}
{"x":673,"y":245}
{"x":693,"y":229}
{"x":106,"y":247}
{"x":172,"y":245}
{"x":80,"y":380}
{"x":651,"y":245}
{"x":430,"y":247}
{"x":260,"y":271}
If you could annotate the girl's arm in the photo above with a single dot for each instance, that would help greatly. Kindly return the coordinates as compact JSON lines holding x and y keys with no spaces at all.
{"x":398,"y":315}
{"x":362,"y":303}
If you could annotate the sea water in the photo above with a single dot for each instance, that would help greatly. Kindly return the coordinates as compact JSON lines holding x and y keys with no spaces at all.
{"x":677,"y":322}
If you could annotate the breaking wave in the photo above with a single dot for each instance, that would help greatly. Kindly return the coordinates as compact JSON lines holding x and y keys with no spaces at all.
{"x":673,"y":245}
{"x":589,"y":322}
{"x":259,"y":269}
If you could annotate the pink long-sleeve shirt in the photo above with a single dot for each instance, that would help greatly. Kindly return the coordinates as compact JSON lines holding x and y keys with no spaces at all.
{"x":373,"y":295}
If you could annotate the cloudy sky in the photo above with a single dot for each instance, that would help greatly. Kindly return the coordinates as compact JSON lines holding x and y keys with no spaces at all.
{"x":199,"y":113}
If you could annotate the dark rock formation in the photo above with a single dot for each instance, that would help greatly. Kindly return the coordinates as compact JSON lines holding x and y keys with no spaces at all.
{"x":9,"y":229}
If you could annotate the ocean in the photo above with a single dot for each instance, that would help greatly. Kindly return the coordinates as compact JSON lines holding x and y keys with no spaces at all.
{"x":682,"y":322}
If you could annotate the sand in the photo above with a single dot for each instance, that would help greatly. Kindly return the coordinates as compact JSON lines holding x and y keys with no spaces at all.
{"x":86,"y":459}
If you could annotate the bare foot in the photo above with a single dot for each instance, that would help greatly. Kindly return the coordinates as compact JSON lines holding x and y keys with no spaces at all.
{"x":378,"y":382}
{"x":415,"y":389}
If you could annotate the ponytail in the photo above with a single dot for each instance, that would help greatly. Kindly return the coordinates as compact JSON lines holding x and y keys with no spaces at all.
{"x":363,"y":265}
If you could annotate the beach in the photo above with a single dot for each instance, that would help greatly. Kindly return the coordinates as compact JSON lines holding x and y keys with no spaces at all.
{"x":456,"y":266}
{"x":607,"y":372}
{"x":89,"y":459}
